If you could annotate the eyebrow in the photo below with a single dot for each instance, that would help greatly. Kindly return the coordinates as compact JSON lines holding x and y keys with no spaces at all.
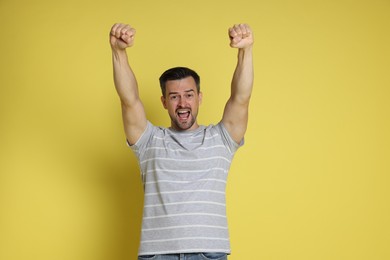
{"x":186,"y":91}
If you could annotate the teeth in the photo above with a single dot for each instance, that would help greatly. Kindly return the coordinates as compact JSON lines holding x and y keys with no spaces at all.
{"x":183,"y":112}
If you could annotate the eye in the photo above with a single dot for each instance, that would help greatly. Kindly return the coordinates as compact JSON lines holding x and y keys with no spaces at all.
{"x":190,"y":95}
{"x":173,"y":97}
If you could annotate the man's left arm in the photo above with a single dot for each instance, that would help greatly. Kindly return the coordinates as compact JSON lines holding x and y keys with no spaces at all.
{"x":235,"y":115}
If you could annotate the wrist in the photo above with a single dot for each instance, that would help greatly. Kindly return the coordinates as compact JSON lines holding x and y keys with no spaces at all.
{"x":246,"y":48}
{"x":119,"y":53}
{"x":118,"y":50}
{"x":245,"y":52}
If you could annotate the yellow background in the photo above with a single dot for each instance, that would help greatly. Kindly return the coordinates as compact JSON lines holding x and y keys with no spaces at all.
{"x":312,"y":181}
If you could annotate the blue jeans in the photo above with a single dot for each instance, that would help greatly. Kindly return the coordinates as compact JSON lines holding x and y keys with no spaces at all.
{"x":192,"y":256}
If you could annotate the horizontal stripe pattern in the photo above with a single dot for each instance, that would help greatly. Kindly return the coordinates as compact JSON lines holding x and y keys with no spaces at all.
{"x":184,"y":176}
{"x":201,"y":160}
{"x":184,"y":226}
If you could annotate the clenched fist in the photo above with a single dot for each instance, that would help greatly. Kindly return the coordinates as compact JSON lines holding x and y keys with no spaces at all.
{"x":240,"y":36}
{"x":121,"y":36}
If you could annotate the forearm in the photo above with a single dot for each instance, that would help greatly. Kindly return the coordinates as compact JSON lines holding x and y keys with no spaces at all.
{"x":124,"y":78}
{"x":242,"y":82}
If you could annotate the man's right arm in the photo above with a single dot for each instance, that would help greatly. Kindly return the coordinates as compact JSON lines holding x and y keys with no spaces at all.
{"x":133,"y":113}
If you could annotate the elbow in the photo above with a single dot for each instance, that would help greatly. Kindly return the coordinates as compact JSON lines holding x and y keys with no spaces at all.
{"x":128,"y":102}
{"x":241,"y":99}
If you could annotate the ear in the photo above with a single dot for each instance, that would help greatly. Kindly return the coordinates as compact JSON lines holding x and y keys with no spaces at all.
{"x":200,"y":97}
{"x":164,"y":102}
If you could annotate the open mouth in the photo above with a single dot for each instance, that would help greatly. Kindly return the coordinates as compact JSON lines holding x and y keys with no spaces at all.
{"x":183,"y":114}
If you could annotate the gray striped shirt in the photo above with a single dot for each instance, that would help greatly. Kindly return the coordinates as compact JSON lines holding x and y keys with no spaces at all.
{"x":184,"y":176}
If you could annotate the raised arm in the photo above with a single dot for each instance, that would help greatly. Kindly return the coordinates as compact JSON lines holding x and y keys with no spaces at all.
{"x":235,"y":116}
{"x":133,"y":113}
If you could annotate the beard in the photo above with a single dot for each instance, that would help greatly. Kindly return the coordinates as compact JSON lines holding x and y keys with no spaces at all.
{"x":182,"y":125}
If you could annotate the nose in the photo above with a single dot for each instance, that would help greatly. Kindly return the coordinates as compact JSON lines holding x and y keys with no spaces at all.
{"x":182,"y":101}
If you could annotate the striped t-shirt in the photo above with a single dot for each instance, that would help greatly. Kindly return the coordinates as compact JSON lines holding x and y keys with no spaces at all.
{"x":184,"y":176}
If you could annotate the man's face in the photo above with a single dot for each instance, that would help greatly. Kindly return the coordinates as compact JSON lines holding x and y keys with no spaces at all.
{"x":182,"y":102}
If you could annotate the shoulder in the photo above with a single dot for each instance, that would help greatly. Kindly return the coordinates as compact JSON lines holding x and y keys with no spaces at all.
{"x":151,"y":132}
{"x":225,"y":136}
{"x":217,"y":128}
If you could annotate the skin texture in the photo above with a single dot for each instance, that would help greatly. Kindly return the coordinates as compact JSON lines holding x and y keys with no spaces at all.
{"x":235,"y":116}
{"x":181,"y":98}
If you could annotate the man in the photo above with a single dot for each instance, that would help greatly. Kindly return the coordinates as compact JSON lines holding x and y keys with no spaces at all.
{"x":184,"y":167}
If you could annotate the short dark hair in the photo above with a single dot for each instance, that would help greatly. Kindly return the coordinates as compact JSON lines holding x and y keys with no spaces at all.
{"x":178,"y":73}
